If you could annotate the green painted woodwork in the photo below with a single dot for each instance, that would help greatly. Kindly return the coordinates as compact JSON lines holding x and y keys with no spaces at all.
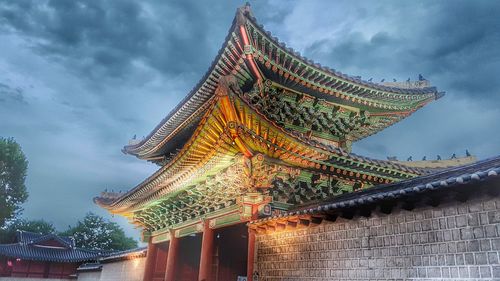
{"x":306,"y":114}
{"x":226,"y":220}
{"x":161,"y":238}
{"x":216,"y":193}
{"x":192,"y":229}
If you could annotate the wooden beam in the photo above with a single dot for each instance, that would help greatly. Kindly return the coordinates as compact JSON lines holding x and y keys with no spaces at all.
{"x":316,"y":220}
{"x":386,"y":207}
{"x":304,"y":222}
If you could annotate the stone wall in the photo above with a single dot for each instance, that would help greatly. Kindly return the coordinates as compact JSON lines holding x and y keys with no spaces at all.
{"x":452,"y":241}
{"x":126,"y":270}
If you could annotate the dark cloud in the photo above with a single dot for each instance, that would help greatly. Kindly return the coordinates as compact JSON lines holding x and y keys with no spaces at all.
{"x":450,"y":42}
{"x":110,"y":37}
{"x":109,"y":34}
{"x":10,"y":94}
{"x":79,"y":78}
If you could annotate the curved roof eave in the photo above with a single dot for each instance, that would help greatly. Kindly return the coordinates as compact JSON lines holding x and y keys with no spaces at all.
{"x":134,"y":149}
{"x":338,"y":74}
{"x":186,"y":109}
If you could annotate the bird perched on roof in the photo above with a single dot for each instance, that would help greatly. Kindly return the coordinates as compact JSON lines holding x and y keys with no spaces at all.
{"x":424,"y":158}
{"x":134,"y":137}
{"x":409,"y":159}
{"x":467,"y":153}
{"x":382,"y":80}
{"x":453,"y":156}
{"x":439,"y":157}
{"x":420,"y":77}
{"x":370,"y":80}
{"x":408,"y":80}
{"x":394,"y":79}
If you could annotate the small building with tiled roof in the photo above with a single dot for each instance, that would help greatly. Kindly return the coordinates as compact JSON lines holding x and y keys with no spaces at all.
{"x":42,"y":256}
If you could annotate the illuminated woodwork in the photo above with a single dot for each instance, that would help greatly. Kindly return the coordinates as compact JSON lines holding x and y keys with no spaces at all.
{"x":264,"y":126}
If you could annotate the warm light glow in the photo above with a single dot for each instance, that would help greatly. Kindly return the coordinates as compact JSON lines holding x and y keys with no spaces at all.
{"x":135,"y":263}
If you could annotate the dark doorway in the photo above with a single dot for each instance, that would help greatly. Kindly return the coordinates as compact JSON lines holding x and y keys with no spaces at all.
{"x":160,"y":261}
{"x":231,"y":248}
{"x":189,"y":258}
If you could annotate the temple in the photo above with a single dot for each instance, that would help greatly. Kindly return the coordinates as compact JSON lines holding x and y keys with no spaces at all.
{"x":34,"y":255}
{"x":264,"y":133}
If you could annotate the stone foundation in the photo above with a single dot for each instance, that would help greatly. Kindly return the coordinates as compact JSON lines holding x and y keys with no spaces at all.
{"x":452,"y":241}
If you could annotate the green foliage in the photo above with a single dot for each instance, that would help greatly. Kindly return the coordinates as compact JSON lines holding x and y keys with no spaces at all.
{"x":13,"y":166}
{"x":94,"y":232}
{"x":8,"y":234}
{"x":37,"y":226}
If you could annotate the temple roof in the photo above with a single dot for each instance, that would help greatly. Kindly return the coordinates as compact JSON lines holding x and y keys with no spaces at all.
{"x":125,"y":254}
{"x":285,"y":66}
{"x":263,"y":106}
{"x":54,"y":248}
{"x":158,"y":185}
{"x":457,"y":178}
{"x":438,"y":164}
{"x":34,"y":246}
{"x":27,"y":237}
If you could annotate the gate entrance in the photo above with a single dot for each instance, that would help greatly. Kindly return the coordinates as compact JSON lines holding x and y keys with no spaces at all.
{"x":189,"y":258}
{"x":231,"y":251}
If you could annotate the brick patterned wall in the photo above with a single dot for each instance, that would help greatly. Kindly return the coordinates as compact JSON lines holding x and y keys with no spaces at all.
{"x":454,"y":241}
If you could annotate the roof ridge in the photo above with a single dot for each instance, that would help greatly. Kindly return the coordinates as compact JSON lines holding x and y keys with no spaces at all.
{"x":149,"y":143}
{"x":333,"y":71}
{"x":191,"y":93}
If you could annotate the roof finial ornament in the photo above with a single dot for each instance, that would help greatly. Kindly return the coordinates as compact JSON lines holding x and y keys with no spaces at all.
{"x":453,"y":156}
{"x":240,"y":14}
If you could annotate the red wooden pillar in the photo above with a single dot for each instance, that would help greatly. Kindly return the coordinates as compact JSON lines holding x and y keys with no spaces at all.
{"x":207,"y":251}
{"x":173,"y":255}
{"x":251,"y":254}
{"x":149,"y":268}
{"x":251,"y":245}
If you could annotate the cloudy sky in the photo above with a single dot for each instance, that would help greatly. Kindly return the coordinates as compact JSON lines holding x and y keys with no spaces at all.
{"x":79,"y":78}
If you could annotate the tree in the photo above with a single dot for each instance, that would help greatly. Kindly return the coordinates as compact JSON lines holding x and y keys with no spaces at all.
{"x":37,"y":226}
{"x":8,"y":234}
{"x":94,"y":232}
{"x":13,"y":166}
